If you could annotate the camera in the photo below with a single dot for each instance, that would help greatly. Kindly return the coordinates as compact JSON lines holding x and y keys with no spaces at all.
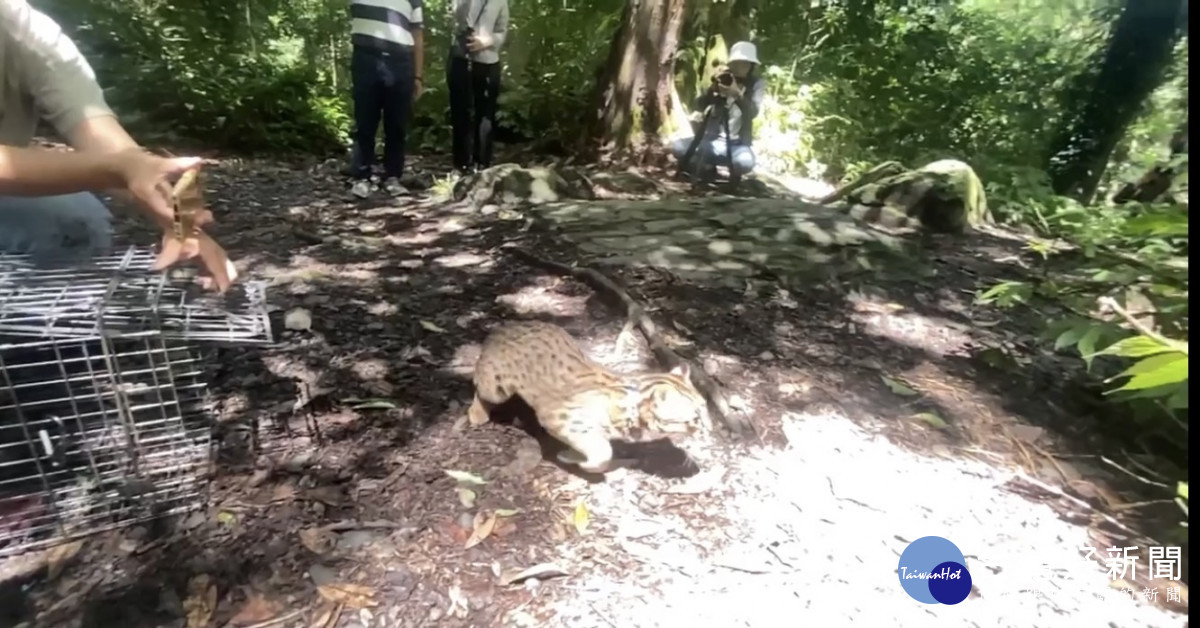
{"x":460,"y":41}
{"x":722,"y":77}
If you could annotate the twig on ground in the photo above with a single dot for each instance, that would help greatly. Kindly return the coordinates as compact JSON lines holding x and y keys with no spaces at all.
{"x":636,"y":314}
{"x":1106,"y":460}
{"x":278,"y":621}
{"x":343,"y":526}
{"x":1079,"y":503}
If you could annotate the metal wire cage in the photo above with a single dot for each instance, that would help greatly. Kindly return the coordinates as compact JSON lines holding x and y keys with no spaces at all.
{"x":104,"y":418}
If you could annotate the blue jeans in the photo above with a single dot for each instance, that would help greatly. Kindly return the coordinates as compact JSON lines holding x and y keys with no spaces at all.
{"x":69,"y":227}
{"x":713,"y":152}
{"x":382,"y":87}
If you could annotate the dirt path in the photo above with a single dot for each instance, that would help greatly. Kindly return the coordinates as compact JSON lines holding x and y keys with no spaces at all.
{"x":810,"y":523}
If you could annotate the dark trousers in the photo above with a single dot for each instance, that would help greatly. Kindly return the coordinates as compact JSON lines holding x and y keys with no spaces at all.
{"x":382,"y":87}
{"x":474,"y":88}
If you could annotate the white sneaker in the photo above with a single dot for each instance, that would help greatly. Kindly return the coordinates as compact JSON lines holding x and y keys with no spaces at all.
{"x":362,"y":188}
{"x":393,"y":187}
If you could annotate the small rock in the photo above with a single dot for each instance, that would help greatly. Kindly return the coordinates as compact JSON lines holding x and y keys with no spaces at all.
{"x":298,"y":319}
{"x":321,"y":575}
{"x":354,"y":539}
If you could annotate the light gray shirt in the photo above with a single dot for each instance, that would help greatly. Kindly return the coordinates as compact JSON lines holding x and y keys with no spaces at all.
{"x":42,"y":75}
{"x":485,"y":16}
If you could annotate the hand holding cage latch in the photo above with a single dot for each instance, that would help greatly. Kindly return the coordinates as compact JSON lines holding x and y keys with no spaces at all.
{"x":187,"y":239}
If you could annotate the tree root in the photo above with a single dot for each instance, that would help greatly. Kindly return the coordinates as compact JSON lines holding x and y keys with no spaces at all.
{"x":636,"y":316}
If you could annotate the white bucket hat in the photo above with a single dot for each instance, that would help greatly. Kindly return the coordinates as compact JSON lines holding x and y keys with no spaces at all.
{"x":744,"y":51}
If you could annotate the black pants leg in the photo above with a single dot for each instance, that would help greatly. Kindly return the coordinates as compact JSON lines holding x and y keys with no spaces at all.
{"x":458,"y":83}
{"x":485,"y":87}
{"x":367,"y":92}
{"x":398,"y":78}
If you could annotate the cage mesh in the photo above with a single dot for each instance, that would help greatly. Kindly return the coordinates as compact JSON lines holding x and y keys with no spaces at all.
{"x":104,"y":417}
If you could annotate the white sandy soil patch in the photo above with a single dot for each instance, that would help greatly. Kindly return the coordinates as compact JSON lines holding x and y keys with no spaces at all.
{"x":813,"y":535}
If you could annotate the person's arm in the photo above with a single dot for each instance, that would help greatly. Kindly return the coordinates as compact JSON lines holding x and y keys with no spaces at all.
{"x":706,"y":98}
{"x":752,"y":99}
{"x":500,"y":28}
{"x":41,"y":172}
{"x":60,"y":80}
{"x":418,"y":25}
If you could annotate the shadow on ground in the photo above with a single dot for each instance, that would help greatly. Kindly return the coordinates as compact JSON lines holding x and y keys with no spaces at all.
{"x":358,"y":419}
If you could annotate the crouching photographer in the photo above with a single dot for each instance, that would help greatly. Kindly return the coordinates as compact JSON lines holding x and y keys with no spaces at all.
{"x":729,"y":107}
{"x":473,"y":79}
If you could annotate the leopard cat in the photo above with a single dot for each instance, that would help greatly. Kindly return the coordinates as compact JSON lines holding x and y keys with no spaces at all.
{"x":579,"y":402}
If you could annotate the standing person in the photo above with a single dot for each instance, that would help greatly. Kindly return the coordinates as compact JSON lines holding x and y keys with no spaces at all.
{"x":473,"y":78}
{"x":738,"y":98}
{"x":387,"y":73}
{"x":47,"y":206}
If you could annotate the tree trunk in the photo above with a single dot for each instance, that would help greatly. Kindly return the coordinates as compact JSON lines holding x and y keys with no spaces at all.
{"x":1133,"y":66}
{"x":1158,"y":180}
{"x":636,"y":84}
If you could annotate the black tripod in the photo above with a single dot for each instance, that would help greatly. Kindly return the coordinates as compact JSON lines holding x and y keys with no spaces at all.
{"x":695,"y":168}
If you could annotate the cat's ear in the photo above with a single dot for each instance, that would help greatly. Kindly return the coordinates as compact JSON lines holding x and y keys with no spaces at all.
{"x":682,"y":370}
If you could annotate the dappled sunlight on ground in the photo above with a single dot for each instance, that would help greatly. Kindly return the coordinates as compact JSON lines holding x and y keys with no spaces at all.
{"x":370,"y":475}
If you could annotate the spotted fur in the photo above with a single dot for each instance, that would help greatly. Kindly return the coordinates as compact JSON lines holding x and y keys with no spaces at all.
{"x":578,"y":401}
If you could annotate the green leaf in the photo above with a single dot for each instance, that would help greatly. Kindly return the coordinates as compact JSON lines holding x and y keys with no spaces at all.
{"x":898,"y":388}
{"x":1134,"y":347}
{"x":934,"y":421}
{"x":1158,"y":370}
{"x":1179,"y":400}
{"x":1071,"y":336}
{"x":1087,"y":346}
{"x":1181,"y":490}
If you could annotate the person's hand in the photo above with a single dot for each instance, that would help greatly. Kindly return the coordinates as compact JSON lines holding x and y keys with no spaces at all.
{"x":418,"y":88}
{"x":479,"y":41}
{"x":733,"y":90}
{"x":146,"y":180}
{"x":145,"y":177}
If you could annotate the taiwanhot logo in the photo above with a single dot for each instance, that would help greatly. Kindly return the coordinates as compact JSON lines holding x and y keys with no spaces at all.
{"x":933,"y":571}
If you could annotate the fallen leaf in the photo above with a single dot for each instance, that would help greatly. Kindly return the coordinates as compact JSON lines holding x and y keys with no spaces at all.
{"x":226,"y":518}
{"x":58,"y":557}
{"x":329,"y":612}
{"x":432,"y":327}
{"x":465,"y":477}
{"x":318,"y":540}
{"x":283,"y":492}
{"x":898,"y":388}
{"x":484,"y":524}
{"x":466,"y":497}
{"x":374,"y":404}
{"x":508,"y":512}
{"x":504,"y":527}
{"x":932,"y":419}
{"x":352,"y":595}
{"x":298,"y":319}
{"x":256,"y":610}
{"x":580,"y":518}
{"x":542,"y":571}
{"x":201,"y":601}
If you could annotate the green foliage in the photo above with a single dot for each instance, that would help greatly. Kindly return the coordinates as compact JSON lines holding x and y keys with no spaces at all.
{"x":197,"y":70}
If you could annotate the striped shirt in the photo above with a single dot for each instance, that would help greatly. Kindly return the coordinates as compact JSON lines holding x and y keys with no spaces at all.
{"x":386,"y":25}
